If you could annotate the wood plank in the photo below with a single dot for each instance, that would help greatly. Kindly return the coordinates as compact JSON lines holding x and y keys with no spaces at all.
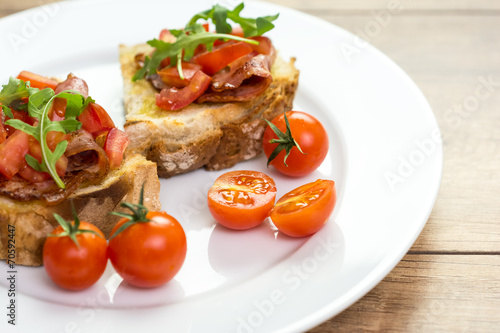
{"x":428,"y":293}
{"x":448,"y":58}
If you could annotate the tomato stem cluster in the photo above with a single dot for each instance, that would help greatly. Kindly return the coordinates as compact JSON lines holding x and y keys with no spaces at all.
{"x":285,"y":141}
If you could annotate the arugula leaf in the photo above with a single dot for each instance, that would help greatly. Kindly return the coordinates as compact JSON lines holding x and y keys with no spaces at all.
{"x":14,"y":91}
{"x":186,"y":42}
{"x":39,"y":105}
{"x":219,"y":16}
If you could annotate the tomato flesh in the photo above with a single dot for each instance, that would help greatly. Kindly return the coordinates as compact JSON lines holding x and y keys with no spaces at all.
{"x":114,"y":146}
{"x":72,"y":267}
{"x":170,"y":75}
{"x":304,"y":210}
{"x":37,"y":81}
{"x":241,"y":199}
{"x":12,"y":152}
{"x":95,"y":119}
{"x":148,"y":254}
{"x":221,"y":56}
{"x":173,"y":99}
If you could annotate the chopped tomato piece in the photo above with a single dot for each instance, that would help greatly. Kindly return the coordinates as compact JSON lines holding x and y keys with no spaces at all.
{"x":221,"y":56}
{"x":53,"y":138}
{"x":37,"y":81}
{"x":12,"y":153}
{"x":58,"y":110}
{"x":115,"y":145}
{"x":32,"y":175}
{"x":166,"y":36}
{"x":95,"y":119}
{"x":174,"y":99}
{"x":3,"y":133}
{"x":21,"y":115}
{"x":170,"y":75}
{"x":237,"y":31}
{"x":265,"y":45}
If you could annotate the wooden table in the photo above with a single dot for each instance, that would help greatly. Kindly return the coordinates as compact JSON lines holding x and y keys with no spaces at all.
{"x":450,"y":279}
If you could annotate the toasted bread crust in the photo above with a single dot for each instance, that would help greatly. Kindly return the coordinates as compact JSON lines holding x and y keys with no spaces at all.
{"x":32,"y":221}
{"x":210,"y":135}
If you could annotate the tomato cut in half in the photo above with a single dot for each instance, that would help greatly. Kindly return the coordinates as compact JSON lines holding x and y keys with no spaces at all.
{"x":173,"y":99}
{"x":170,"y":75}
{"x":95,"y":119}
{"x":71,"y":266}
{"x":37,"y":81}
{"x":114,"y":146}
{"x":148,"y":254}
{"x":241,"y":199}
{"x":304,"y":210}
{"x":221,"y":56}
{"x":12,"y":153}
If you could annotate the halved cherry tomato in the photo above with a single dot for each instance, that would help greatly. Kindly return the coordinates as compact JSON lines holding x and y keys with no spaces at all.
{"x":174,"y":99}
{"x":304,"y":210}
{"x":308,"y":133}
{"x":148,"y":254}
{"x":115,"y":145}
{"x":95,"y":119}
{"x":37,"y":81}
{"x":241,"y":199}
{"x":221,"y":56}
{"x":75,"y":267}
{"x":170,"y":75}
{"x":12,"y":153}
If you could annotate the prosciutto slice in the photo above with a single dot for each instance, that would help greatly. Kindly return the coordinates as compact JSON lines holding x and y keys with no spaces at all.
{"x":73,"y":83}
{"x":242,"y":80}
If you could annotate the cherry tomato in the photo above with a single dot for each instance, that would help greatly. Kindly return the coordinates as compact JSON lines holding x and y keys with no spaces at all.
{"x":308,"y":133}
{"x":148,"y":254}
{"x":174,"y":99}
{"x":221,"y":56}
{"x":37,"y":81}
{"x":304,"y":210}
{"x":75,"y":267}
{"x":114,"y":146}
{"x":241,"y":199}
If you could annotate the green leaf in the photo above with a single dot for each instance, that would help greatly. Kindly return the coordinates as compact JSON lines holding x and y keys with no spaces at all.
{"x":219,"y":18}
{"x":70,"y":125}
{"x":21,"y":125}
{"x":14,"y":90}
{"x":33,"y":162}
{"x":38,"y":101}
{"x":76,"y":103}
{"x":7,"y":111}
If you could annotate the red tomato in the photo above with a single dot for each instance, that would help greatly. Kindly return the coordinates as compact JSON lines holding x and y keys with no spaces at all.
{"x":3,"y":133}
{"x":221,"y":56}
{"x":95,"y":119}
{"x":265,"y":45}
{"x":21,"y":115}
{"x":115,"y":145}
{"x":58,"y":110}
{"x":32,"y":175}
{"x":35,"y":150}
{"x":75,"y":267}
{"x":308,"y":133}
{"x":148,"y":254}
{"x":12,"y":153}
{"x":241,"y":199}
{"x":37,"y":81}
{"x":174,"y":99}
{"x":170,"y":75}
{"x":305,"y":210}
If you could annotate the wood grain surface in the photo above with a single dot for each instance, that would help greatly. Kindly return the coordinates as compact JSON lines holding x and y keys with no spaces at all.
{"x":450,"y":279}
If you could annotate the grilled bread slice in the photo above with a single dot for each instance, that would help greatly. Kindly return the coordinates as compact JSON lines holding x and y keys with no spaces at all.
{"x":211,"y":135}
{"x":32,"y":221}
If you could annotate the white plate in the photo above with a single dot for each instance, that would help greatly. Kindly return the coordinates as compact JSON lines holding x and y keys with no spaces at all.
{"x":385,"y":156}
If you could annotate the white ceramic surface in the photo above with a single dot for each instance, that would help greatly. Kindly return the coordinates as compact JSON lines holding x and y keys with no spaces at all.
{"x":385,"y":157}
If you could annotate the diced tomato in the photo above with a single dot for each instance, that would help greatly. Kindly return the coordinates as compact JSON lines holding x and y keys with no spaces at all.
{"x":174,"y":99}
{"x":31,"y":174}
{"x":166,"y":36}
{"x":58,"y":110}
{"x":237,"y":31}
{"x":12,"y":153}
{"x":95,"y":119}
{"x":170,"y":75}
{"x":115,"y":145}
{"x":37,"y":81}
{"x":53,"y":139}
{"x":3,"y":133}
{"x":21,"y":115}
{"x":221,"y":56}
{"x":265,"y":45}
